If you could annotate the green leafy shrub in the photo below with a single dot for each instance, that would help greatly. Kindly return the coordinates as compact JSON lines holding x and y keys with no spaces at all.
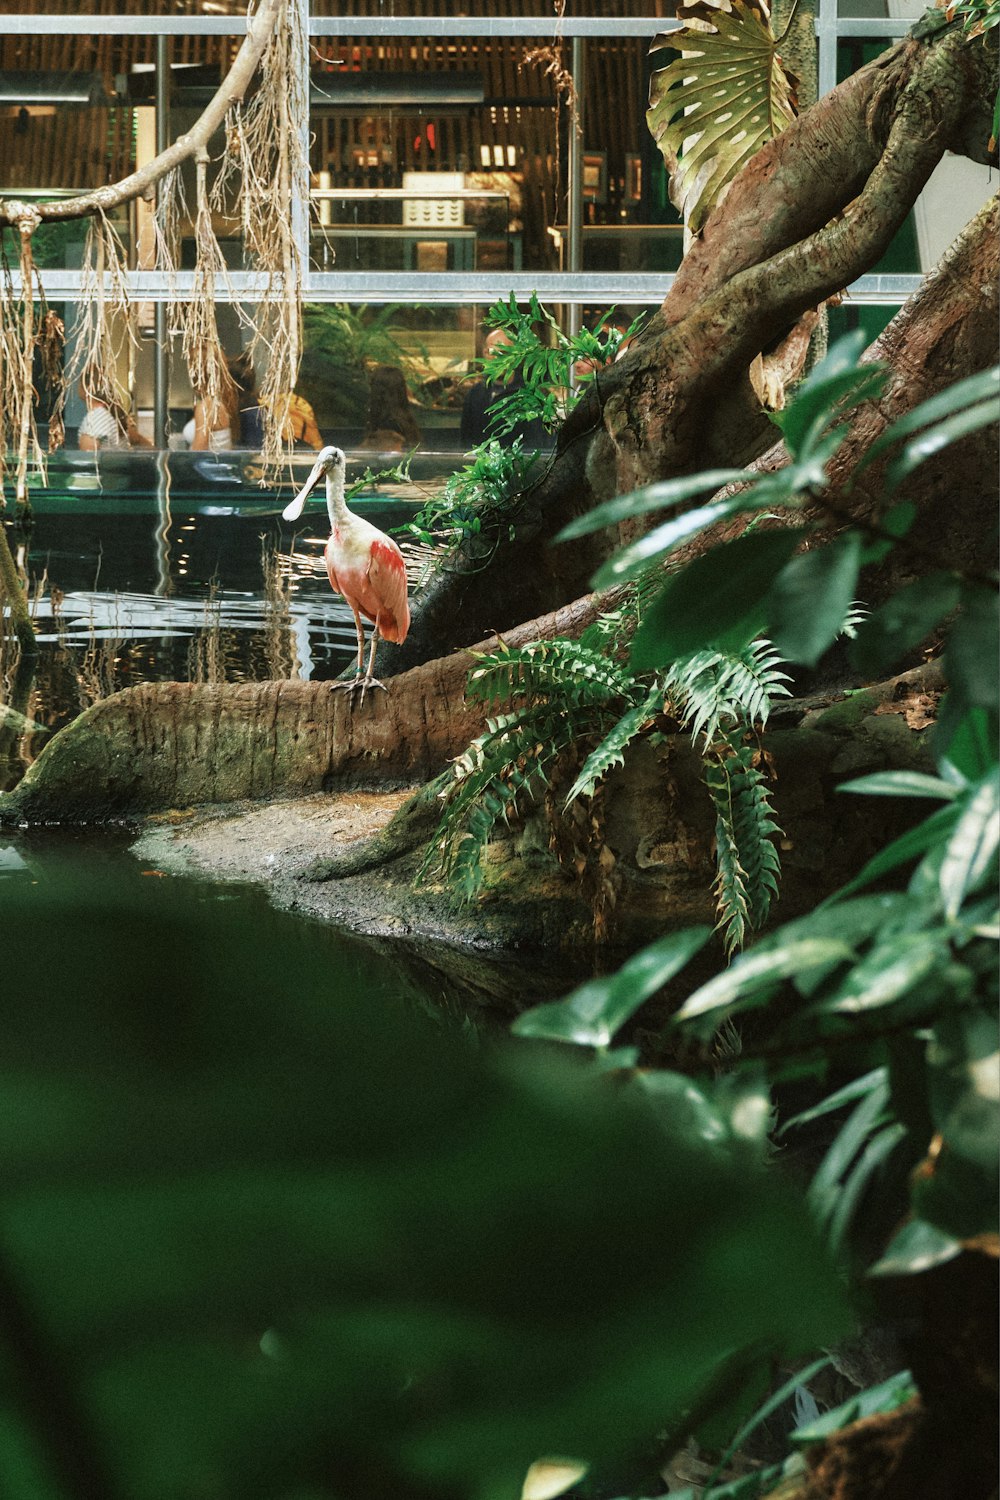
{"x":884,"y":999}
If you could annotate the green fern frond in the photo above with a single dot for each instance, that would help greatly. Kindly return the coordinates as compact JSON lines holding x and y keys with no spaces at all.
{"x":711,"y":691}
{"x":611,"y":751}
{"x":856,"y":615}
{"x":732,"y":900}
{"x":562,"y":669}
{"x":510,"y":762}
{"x":746,"y":857}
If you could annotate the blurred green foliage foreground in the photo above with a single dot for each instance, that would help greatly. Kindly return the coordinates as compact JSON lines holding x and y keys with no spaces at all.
{"x":259,"y":1238}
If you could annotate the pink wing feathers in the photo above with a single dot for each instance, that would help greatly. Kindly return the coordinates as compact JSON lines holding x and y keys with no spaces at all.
{"x":387,"y":578}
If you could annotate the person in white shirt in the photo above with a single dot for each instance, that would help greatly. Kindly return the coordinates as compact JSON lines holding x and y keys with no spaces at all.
{"x":107,"y":424}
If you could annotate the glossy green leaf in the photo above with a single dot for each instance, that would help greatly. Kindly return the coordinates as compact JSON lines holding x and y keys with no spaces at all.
{"x":959,"y":1193}
{"x":917,"y":1247}
{"x":777,"y":1398}
{"x":904,"y":621}
{"x":890,"y":970}
{"x":753,"y":974}
{"x":919,"y":449}
{"x":964,"y":1062}
{"x":895,"y":523}
{"x":849,"y":1140}
{"x":970,"y":749}
{"x":858,"y":1088}
{"x":904,"y":850}
{"x":714,"y":598}
{"x":973,"y":650}
{"x":724,"y":1117}
{"x":857,"y":917}
{"x":205,"y":1144}
{"x":876,"y":1152}
{"x":891,"y":1393}
{"x":651,"y":497}
{"x":592,"y":1014}
{"x":970,"y":391}
{"x":832,"y":388}
{"x":809,"y":600}
{"x":645,"y":550}
{"x":901,"y":784}
{"x":972,"y":846}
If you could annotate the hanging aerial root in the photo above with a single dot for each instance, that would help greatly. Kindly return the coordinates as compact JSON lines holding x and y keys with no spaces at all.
{"x":104,"y":332}
{"x":196,"y":315}
{"x":18,"y":432}
{"x":264,"y":138}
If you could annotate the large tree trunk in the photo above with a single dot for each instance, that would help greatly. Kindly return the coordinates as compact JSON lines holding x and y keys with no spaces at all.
{"x":812,"y":211}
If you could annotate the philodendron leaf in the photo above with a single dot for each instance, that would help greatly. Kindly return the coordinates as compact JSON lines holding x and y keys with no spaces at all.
{"x":809,"y":600}
{"x":715,"y":595}
{"x":714,"y":107}
{"x":904,"y":620}
{"x":592,"y":1014}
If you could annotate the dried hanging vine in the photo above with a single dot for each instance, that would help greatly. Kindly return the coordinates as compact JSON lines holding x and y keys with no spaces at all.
{"x":268,"y":149}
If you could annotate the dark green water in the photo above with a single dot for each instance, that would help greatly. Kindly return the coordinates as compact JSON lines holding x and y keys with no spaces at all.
{"x":52,"y":871}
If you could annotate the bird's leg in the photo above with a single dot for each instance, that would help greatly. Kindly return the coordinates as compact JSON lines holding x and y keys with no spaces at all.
{"x":352,"y":682}
{"x":370,"y":680}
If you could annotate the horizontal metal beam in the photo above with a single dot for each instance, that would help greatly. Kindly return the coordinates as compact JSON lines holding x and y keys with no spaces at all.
{"x":482,"y":288}
{"x":395,"y":26}
{"x":861,"y":26}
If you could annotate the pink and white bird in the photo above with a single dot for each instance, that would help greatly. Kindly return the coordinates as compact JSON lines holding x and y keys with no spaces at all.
{"x":363,"y":564}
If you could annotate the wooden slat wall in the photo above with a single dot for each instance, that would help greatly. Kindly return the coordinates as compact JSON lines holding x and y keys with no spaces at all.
{"x":79,"y":147}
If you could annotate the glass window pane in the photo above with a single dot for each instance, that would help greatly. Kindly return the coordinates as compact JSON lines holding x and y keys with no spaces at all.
{"x":78,"y":112}
{"x":453,"y":154}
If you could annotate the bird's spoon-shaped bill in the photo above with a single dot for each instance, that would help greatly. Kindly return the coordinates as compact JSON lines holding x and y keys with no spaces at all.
{"x":295,"y":507}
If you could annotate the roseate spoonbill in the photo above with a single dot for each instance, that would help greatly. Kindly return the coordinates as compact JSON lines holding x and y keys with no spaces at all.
{"x":363,"y":564}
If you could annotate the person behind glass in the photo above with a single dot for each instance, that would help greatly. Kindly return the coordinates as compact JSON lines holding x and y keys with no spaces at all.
{"x":299,"y":426}
{"x":234,"y":420}
{"x":106,"y":424}
{"x":478,"y":417}
{"x":391,"y":426}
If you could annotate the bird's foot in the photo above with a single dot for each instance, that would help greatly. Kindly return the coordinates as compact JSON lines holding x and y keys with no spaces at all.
{"x":354,"y":683}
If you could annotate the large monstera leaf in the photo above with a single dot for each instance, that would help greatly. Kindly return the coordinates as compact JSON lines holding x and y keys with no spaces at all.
{"x":717,"y":104}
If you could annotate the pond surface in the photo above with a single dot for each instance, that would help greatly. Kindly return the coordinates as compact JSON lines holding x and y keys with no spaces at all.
{"x":62,"y":870}
{"x":148,"y":567}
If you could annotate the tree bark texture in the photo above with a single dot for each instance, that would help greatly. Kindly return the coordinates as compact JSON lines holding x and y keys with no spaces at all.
{"x":815,"y":209}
